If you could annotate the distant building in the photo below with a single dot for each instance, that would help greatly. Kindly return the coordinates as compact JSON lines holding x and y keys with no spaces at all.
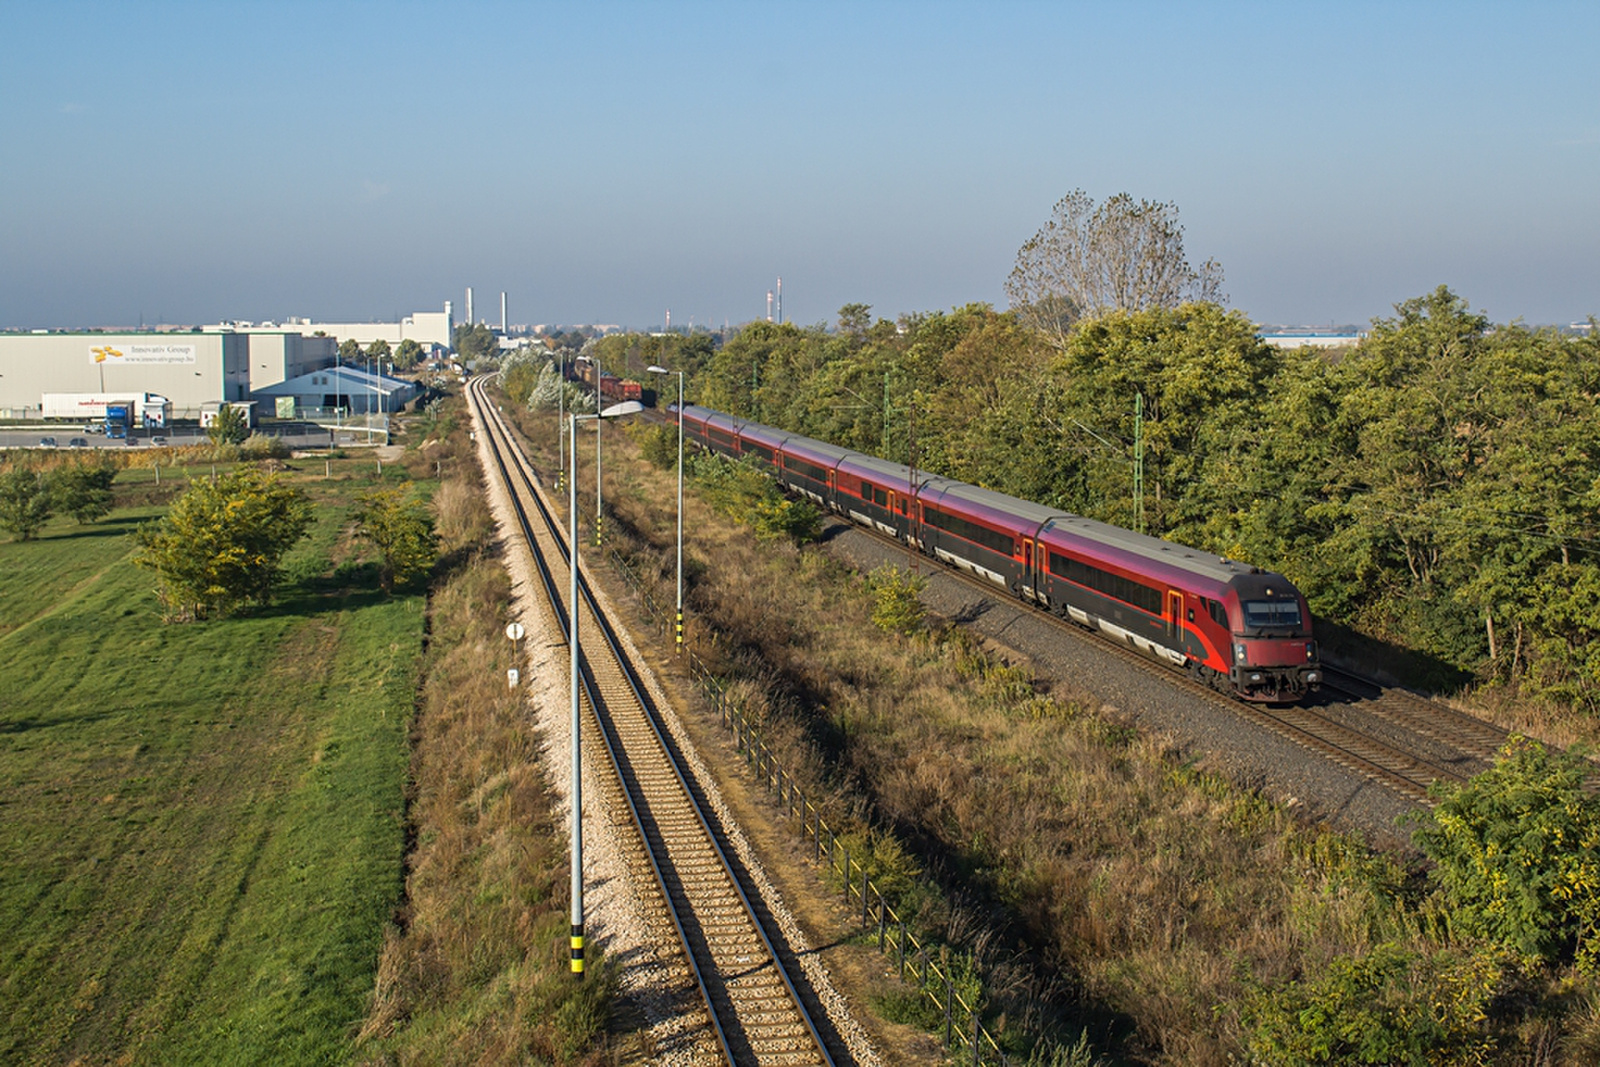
{"x":433,"y":330}
{"x":334,"y":391}
{"x":1300,"y":337}
{"x":189,"y":369}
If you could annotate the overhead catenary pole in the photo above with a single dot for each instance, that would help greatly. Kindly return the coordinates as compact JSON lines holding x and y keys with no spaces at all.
{"x":1138,"y":462}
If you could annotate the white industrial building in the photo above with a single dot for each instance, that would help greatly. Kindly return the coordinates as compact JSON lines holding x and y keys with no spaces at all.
{"x":430,"y":329}
{"x":202,"y":368}
{"x":282,"y":352}
{"x":189,"y":369}
{"x":335,"y":392}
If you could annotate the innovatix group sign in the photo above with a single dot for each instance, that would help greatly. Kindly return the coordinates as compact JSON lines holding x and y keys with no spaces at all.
{"x":142,"y":352}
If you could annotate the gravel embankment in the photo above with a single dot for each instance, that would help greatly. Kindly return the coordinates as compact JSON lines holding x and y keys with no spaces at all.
{"x":623,"y":915}
{"x":1243,"y":751}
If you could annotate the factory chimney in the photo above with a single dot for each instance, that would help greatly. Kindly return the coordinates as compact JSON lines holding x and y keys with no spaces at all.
{"x":769,"y":305}
{"x":471,"y":322}
{"x":502,"y":313}
{"x":780,"y":301}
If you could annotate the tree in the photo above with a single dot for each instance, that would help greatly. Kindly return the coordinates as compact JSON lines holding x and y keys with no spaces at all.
{"x":855,"y":320}
{"x":407,"y":355}
{"x":221,"y":545}
{"x":402,"y":530}
{"x":475,"y":342}
{"x":1093,"y":258}
{"x":84,"y":491}
{"x":25,"y":502}
{"x":350,"y":350}
{"x":229,"y":427}
{"x":378,"y":351}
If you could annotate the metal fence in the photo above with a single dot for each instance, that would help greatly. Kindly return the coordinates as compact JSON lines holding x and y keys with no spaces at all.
{"x":930,"y":970}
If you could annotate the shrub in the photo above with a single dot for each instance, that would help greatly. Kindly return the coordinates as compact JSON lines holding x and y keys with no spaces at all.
{"x":744,"y":491}
{"x":657,"y":444}
{"x":896,"y":607}
{"x":1517,"y":853}
{"x":229,"y":427}
{"x":1391,"y":1006}
{"x":263,"y":446}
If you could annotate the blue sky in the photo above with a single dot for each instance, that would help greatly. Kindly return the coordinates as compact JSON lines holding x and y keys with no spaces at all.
{"x":606,"y":162}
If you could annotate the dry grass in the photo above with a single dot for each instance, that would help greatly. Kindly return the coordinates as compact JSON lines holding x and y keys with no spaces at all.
{"x":1103,"y":881}
{"x":475,"y":968}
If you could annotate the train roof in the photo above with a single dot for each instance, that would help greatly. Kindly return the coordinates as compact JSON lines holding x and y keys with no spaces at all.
{"x":1169,"y":553}
{"x":1166,"y":553}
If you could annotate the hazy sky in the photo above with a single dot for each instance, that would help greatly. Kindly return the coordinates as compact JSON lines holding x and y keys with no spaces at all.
{"x":606,"y":162}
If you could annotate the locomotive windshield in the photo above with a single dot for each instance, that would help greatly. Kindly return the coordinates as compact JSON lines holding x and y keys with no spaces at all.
{"x":1263,"y":613}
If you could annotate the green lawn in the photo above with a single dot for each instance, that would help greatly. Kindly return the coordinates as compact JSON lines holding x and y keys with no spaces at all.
{"x":201,"y":826}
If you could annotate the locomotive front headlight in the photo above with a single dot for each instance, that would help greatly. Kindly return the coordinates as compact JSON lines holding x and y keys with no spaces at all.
{"x":1238,"y":653}
{"x":1311,"y":650}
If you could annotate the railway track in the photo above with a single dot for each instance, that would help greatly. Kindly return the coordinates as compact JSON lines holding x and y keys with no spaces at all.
{"x":1397,"y":740}
{"x":755,"y":1003}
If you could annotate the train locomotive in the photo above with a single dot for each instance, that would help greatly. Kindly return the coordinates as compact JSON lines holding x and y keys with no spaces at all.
{"x":1230,"y":625}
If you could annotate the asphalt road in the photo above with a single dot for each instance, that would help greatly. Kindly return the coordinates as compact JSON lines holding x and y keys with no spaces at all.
{"x":297,"y":435}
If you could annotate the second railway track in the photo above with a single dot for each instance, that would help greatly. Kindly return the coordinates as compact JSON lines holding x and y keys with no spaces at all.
{"x":755,"y":1006}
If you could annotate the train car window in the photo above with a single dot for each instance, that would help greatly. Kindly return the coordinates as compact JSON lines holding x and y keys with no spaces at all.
{"x":1219,"y":614}
{"x":810,"y":470}
{"x":1259,"y":613}
{"x":1112,"y":585}
{"x":971,"y":531}
{"x":880,"y":497}
{"x":720,"y":437}
{"x":1191,"y":615}
{"x":760,"y":450}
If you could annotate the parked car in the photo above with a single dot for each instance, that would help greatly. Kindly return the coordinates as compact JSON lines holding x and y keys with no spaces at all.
{"x":158,"y":440}
{"x":77,"y":442}
{"x":47,"y":442}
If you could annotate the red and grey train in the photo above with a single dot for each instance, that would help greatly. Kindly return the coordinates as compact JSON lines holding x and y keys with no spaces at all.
{"x":1231,"y":625}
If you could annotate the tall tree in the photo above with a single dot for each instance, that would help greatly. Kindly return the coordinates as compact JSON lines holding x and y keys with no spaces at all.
{"x":26,"y":502}
{"x":402,"y":530}
{"x":1091,"y":258}
{"x":220,"y":546}
{"x":407,"y":355}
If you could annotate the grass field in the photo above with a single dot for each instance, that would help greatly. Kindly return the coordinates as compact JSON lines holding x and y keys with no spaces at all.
{"x":201,"y":825}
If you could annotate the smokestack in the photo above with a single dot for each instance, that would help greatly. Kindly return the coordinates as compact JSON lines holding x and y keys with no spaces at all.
{"x":471,"y":322}
{"x":780,"y":301}
{"x":769,"y":305}
{"x":669,"y":320}
{"x":502,"y":313}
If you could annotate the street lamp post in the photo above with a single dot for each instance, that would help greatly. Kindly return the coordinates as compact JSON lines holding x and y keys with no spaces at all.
{"x":678,"y":623}
{"x":576,"y":942}
{"x":561,"y":419}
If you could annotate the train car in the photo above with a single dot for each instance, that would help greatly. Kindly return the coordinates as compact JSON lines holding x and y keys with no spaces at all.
{"x":1228,"y":624}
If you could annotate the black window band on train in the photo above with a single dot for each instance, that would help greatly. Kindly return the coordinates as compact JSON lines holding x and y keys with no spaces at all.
{"x":1112,"y":585}
{"x":721,"y":437}
{"x":971,"y":531}
{"x":760,"y":450}
{"x":810,"y":470}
